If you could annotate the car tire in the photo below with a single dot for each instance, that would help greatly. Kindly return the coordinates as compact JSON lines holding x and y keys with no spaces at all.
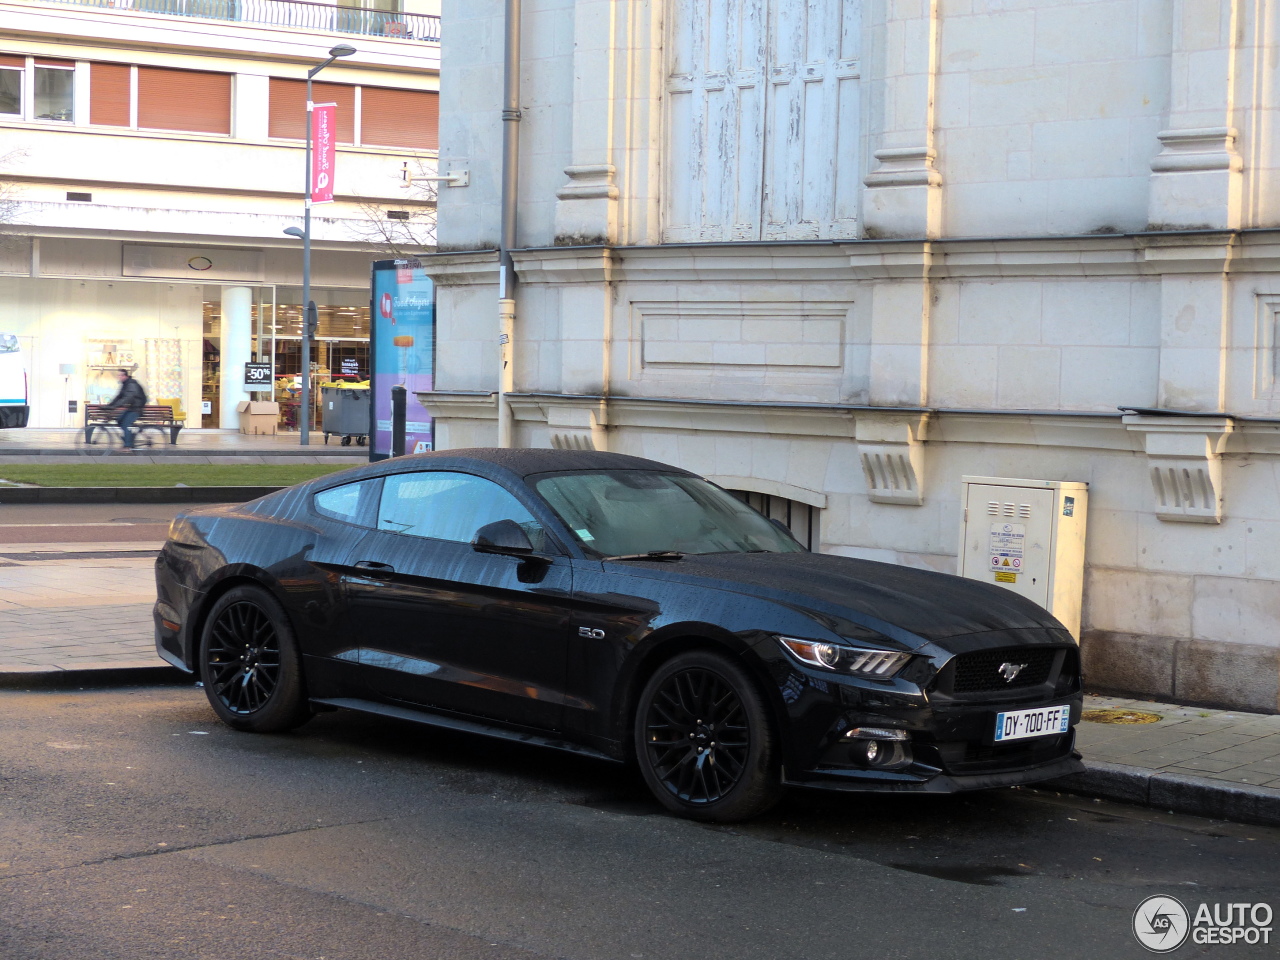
{"x":704,"y":739}
{"x":249,"y":663}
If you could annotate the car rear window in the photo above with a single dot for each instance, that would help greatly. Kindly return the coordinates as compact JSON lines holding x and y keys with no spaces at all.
{"x":349,"y":502}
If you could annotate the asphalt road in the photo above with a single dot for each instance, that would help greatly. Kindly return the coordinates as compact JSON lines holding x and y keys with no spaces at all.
{"x":86,"y":522}
{"x":134,"y":826}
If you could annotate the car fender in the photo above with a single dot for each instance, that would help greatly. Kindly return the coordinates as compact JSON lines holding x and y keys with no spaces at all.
{"x":674,"y":638}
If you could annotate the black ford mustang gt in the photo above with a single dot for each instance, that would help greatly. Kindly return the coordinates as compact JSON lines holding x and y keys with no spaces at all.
{"x":620,"y":608}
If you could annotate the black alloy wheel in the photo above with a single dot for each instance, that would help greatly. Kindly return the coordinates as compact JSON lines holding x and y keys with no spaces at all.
{"x":249,"y":663}
{"x":704,"y":740}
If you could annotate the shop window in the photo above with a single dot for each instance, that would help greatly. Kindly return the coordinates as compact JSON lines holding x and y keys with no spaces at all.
{"x":54,"y":90}
{"x":800,"y":518}
{"x":287,"y":115}
{"x":184,"y":100}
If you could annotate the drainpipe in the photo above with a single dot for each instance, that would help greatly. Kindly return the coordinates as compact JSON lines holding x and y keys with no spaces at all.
{"x":510,"y":197}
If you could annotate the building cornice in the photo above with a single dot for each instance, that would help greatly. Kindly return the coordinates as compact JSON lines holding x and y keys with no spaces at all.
{"x":1128,"y":255}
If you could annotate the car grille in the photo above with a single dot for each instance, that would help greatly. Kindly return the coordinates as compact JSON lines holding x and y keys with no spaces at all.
{"x":986,"y":758}
{"x":980,"y":672}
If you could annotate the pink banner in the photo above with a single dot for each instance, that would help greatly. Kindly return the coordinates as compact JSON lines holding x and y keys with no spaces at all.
{"x":324,"y":143}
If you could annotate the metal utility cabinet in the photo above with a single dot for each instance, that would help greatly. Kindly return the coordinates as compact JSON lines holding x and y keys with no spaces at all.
{"x":1027,"y":536}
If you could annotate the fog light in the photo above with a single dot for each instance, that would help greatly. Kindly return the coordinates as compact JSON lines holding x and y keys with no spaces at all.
{"x":880,"y":748}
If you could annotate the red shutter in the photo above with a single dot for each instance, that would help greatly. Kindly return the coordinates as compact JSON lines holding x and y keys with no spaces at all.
{"x":9,"y":60}
{"x":184,"y":100}
{"x":46,"y":62}
{"x":109,"y":94}
{"x":287,"y":109}
{"x":400,"y":118}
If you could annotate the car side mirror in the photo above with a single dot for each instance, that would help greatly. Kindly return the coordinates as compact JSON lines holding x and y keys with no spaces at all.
{"x":503,"y":537}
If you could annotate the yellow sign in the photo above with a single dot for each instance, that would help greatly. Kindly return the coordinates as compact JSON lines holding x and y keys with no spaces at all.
{"x":1006,"y":576}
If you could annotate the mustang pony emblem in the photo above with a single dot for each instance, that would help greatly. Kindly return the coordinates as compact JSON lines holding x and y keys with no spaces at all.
{"x":1010,"y":670}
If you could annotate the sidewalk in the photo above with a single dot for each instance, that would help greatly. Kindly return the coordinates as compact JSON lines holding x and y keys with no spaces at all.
{"x":61,"y":445}
{"x":82,"y":612}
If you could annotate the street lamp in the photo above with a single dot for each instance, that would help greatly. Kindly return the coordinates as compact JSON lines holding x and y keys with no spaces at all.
{"x":308,"y":328}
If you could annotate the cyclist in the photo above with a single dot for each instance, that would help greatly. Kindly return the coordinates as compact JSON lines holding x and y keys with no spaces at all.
{"x":127,"y":405}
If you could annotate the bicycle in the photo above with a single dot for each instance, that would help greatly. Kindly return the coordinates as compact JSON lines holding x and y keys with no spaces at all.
{"x":105,"y":439}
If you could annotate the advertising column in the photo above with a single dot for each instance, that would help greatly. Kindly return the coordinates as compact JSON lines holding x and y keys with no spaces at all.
{"x":402,"y":351}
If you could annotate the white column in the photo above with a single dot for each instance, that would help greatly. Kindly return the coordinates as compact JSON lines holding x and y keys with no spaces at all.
{"x":237,"y":329}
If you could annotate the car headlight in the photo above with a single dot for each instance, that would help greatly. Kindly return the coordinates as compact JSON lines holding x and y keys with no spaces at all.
{"x":873,"y":664}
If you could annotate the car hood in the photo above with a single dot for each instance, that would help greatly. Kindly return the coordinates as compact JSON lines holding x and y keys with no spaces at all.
{"x":928,"y":605}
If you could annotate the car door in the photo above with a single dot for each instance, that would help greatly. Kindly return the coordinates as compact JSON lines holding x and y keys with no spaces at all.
{"x":442,"y":625}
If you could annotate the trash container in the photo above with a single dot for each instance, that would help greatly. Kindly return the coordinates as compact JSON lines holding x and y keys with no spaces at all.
{"x":344,"y":413}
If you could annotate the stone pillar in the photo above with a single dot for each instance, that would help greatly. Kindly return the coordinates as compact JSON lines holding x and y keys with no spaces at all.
{"x":237,"y":331}
{"x":903,"y":198}
{"x":1196,"y":178}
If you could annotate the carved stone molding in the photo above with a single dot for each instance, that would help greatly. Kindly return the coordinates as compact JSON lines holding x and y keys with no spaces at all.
{"x":904,"y":167}
{"x":891,"y":450}
{"x":1184,"y":458}
{"x":1205,"y":148}
{"x":589,"y":182}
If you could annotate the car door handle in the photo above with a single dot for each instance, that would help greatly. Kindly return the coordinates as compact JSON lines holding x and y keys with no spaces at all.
{"x":375,"y":569}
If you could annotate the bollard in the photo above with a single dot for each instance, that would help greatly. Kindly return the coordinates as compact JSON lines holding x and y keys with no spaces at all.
{"x":399,"y":397}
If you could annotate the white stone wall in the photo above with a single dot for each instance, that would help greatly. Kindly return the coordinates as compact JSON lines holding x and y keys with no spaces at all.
{"x":1064,"y":208}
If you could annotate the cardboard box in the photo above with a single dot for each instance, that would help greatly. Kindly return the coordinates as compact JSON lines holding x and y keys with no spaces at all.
{"x":258,"y":416}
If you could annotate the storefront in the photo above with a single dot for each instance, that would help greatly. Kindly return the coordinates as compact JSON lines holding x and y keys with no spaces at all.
{"x":340,"y":351}
{"x":181,"y":338}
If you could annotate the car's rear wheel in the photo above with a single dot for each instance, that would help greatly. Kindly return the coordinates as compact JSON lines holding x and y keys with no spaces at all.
{"x":704,"y":740}
{"x":249,"y":663}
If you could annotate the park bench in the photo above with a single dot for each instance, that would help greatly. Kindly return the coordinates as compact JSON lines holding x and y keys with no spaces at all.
{"x":155,"y":416}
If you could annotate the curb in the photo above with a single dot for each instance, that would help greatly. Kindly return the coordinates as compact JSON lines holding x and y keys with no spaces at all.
{"x":21,"y":678}
{"x":1175,"y":792}
{"x":133,"y":494}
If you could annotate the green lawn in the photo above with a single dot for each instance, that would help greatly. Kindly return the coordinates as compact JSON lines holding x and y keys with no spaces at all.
{"x":166,"y":475}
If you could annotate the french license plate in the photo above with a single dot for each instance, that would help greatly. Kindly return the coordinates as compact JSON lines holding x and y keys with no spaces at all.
{"x":1041,"y":722}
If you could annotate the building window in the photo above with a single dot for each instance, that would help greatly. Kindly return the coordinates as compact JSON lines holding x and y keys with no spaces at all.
{"x":287,"y":113}
{"x":52,"y":90}
{"x":110,"y":94}
{"x":763,"y":117}
{"x":371,"y":116}
{"x":10,"y":90}
{"x":800,"y":518}
{"x":191,"y":100}
{"x":55,"y":90}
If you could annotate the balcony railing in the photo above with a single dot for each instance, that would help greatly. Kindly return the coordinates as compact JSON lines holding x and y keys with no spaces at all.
{"x":321,"y":17}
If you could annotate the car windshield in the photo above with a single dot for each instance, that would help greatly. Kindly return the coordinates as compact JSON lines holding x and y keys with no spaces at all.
{"x":639,"y":512}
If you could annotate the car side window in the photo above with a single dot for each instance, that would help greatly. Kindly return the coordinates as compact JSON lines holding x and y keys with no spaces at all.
{"x":349,"y":502}
{"x":450,"y":506}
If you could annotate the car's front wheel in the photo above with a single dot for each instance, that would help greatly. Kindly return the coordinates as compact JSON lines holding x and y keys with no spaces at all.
{"x":704,"y":740}
{"x":249,"y":663}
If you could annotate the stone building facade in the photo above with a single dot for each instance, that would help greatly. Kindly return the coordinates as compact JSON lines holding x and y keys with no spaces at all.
{"x":839,"y":254}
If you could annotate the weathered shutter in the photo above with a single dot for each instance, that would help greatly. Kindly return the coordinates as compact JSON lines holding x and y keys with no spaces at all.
{"x":400,"y":118}
{"x":184,"y":100}
{"x":762,"y":135}
{"x":109,"y":94}
{"x":812,"y":156}
{"x":287,"y":108}
{"x":715,"y":96}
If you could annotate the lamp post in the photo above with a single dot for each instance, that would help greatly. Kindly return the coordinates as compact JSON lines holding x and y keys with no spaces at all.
{"x":308,"y":309}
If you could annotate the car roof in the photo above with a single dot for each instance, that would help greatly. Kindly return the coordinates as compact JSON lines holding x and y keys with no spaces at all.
{"x":526,"y":462}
